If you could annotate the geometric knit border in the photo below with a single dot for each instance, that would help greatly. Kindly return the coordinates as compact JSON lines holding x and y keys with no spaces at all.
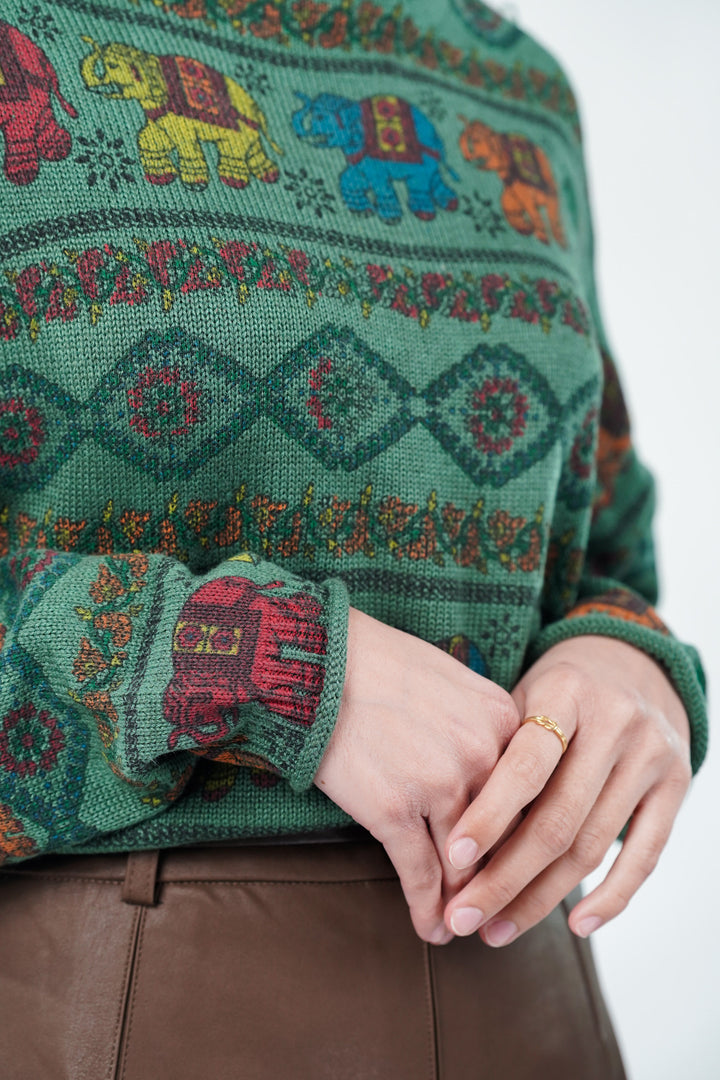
{"x":172,"y":402}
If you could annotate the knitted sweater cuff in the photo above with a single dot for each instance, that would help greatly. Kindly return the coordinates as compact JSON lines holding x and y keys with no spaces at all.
{"x":259,"y":668}
{"x":680,"y":661}
{"x":302,"y":769}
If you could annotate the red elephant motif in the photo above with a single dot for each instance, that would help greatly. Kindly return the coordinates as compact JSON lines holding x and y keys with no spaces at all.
{"x":230,"y":646}
{"x":27,"y":82}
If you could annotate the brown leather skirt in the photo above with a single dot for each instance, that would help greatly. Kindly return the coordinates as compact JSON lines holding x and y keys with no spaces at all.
{"x":290,"y":962}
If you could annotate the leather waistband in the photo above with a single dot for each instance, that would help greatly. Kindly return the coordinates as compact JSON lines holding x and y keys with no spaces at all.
{"x":141,"y":874}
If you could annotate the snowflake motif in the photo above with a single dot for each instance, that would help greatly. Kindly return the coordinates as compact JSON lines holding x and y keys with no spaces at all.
{"x":433,"y":106}
{"x":105,"y":160}
{"x":482,"y":213}
{"x":252,"y":79}
{"x":310,"y":191}
{"x":340,"y":398}
{"x":38,"y":23}
{"x":500,"y":640}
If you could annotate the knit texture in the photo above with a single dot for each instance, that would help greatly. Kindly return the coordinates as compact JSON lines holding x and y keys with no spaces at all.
{"x":296,"y":310}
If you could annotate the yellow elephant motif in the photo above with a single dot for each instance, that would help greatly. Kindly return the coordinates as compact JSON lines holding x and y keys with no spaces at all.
{"x":186,"y":103}
{"x":528,"y":180}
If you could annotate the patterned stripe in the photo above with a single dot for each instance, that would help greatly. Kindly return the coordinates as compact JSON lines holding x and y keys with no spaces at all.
{"x":447,"y":589}
{"x":53,"y":230}
{"x":509,"y":86}
{"x":327,"y":530}
{"x":161,"y":272}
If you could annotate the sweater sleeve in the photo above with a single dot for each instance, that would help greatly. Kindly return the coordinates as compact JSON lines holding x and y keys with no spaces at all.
{"x":118,"y":672}
{"x":608,"y":584}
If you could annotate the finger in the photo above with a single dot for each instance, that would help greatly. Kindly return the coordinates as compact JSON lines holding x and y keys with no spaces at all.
{"x":517,"y":820}
{"x":594,"y":839}
{"x":529,"y":761}
{"x":413,"y":854}
{"x":465,"y":877}
{"x":647,"y":836}
{"x":546,"y":834}
{"x":453,"y":879}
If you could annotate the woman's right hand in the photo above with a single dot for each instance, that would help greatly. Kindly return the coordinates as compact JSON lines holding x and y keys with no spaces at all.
{"x":417,"y":736}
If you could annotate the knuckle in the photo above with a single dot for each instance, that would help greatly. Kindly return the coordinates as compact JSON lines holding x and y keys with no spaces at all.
{"x":505,"y":716}
{"x":536,"y":907}
{"x":398,"y":813}
{"x":556,"y":830}
{"x":407,"y":802}
{"x":647,"y":863}
{"x":569,"y":684}
{"x":528,"y":770}
{"x":502,"y":892}
{"x":620,"y":900}
{"x":589,"y":850}
{"x":680,"y":777}
{"x":628,"y":701}
{"x":683,"y":762}
{"x":647,"y":858}
{"x":660,"y":747}
{"x":424,"y":879}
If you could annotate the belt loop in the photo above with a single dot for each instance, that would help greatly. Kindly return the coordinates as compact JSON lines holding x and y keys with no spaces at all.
{"x":140,"y":884}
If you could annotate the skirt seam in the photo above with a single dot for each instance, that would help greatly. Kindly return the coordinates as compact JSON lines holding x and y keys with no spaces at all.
{"x":129,"y":1011}
{"x":434,"y":1021}
{"x":590,"y":991}
{"x":126,"y":983}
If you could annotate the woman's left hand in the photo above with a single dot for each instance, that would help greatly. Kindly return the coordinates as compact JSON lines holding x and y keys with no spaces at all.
{"x":628,"y":758}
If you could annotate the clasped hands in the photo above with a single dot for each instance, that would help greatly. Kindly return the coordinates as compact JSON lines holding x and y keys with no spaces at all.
{"x":488,"y":824}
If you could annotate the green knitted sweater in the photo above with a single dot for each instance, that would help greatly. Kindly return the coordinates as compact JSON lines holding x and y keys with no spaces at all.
{"x":296,"y":311}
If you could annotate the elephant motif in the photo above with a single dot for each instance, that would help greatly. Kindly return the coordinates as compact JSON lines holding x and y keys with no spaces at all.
{"x":186,"y":103}
{"x":27,"y":83}
{"x":528,"y":181}
{"x":236,"y":642}
{"x":385,"y":139}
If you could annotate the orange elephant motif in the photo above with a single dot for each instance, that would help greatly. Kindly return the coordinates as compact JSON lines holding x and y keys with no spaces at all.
{"x":528,"y":181}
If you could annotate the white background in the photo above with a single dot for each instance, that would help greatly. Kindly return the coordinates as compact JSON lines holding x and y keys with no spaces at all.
{"x":647,"y":74}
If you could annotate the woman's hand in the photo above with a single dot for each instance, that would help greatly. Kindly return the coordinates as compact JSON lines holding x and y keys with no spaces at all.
{"x":628,"y":757}
{"x":417,"y":736}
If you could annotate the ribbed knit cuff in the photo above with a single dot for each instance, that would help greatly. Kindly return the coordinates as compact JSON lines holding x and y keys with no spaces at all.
{"x":307,"y":761}
{"x":680,"y":661}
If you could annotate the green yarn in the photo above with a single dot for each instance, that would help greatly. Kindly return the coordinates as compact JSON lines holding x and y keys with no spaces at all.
{"x":296,"y":310}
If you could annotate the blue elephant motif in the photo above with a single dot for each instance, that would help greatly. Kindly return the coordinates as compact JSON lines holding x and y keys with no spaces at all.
{"x":385,"y":139}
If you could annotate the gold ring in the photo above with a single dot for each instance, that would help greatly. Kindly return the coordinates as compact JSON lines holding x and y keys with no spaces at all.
{"x":549,"y":725}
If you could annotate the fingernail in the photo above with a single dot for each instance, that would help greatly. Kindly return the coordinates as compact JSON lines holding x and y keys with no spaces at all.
{"x":463,"y":852}
{"x":588,"y":925}
{"x":500,"y":932}
{"x":441,"y":936}
{"x":466,"y":920}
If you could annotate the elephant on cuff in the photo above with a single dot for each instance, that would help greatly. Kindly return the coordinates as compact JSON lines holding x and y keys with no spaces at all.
{"x":186,"y":103}
{"x":385,"y":140}
{"x":28,"y":83}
